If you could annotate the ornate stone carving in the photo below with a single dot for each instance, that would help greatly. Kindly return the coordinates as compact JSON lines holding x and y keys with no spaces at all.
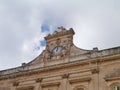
{"x":60,"y":33}
{"x":47,"y":54}
{"x":61,"y":38}
{"x":70,"y":43}
{"x":63,"y":52}
{"x":61,"y":28}
{"x":58,"y":41}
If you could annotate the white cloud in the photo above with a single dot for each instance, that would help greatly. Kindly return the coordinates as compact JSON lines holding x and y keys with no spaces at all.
{"x":96,"y":23}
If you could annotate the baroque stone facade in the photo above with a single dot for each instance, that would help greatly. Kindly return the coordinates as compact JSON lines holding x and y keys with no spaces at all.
{"x":63,"y":66}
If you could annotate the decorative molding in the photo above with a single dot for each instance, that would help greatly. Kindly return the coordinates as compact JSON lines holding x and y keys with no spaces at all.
{"x":112,"y":79}
{"x":61,"y":33}
{"x":30,"y":72}
{"x":58,"y":41}
{"x":50,"y":51}
{"x":26,"y":88}
{"x":39,"y":70}
{"x":87,"y":79}
{"x":47,"y":84}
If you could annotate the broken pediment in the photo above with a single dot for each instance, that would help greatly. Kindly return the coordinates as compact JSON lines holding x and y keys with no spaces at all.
{"x":59,"y":48}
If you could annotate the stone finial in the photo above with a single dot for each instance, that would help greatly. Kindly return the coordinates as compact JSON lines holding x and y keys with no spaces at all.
{"x":61,"y":29}
{"x":95,"y":49}
{"x":71,"y":29}
{"x":23,"y":64}
{"x":60,"y":32}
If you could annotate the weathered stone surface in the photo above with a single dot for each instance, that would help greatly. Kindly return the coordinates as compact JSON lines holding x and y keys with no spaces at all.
{"x":63,"y":66}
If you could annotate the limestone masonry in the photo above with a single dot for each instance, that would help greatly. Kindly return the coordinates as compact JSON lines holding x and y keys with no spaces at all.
{"x":63,"y":66}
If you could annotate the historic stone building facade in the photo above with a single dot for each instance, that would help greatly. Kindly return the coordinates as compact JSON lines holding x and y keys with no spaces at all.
{"x":63,"y":66}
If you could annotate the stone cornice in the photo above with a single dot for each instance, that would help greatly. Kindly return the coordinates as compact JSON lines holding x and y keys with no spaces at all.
{"x":26,"y":88}
{"x":59,"y":66}
{"x":85,"y":79}
{"x":50,"y":84}
{"x":112,"y":78}
{"x":40,"y":70}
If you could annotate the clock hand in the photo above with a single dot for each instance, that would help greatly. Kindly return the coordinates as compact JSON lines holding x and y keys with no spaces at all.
{"x":57,"y":49}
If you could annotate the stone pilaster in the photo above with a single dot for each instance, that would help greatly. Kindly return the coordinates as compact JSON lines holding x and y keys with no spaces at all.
{"x":38,"y":84}
{"x":65,"y":81}
{"x":14,"y":85}
{"x":95,"y":77}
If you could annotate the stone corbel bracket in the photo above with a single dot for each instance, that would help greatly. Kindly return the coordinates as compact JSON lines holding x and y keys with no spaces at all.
{"x":95,"y":71}
{"x":65,"y":76}
{"x":39,"y":80}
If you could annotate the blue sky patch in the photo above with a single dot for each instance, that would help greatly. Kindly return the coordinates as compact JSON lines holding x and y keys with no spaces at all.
{"x":45,"y":28}
{"x":43,"y":43}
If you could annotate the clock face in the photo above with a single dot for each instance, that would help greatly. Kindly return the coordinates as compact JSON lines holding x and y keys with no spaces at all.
{"x":57,"y":50}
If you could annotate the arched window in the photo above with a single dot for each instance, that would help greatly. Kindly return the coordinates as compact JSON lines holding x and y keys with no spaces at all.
{"x":79,"y":89}
{"x":116,"y":88}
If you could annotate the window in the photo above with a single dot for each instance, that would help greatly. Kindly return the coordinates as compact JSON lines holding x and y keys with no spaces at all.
{"x":4,"y":88}
{"x":26,"y":88}
{"x":79,"y":89}
{"x":116,"y":88}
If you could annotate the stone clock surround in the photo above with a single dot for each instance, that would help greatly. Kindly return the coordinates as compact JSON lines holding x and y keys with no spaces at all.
{"x":63,"y":40}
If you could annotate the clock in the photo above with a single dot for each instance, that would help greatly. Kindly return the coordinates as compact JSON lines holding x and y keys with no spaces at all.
{"x":57,"y":50}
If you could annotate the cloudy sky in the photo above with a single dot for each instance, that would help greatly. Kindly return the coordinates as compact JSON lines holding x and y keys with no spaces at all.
{"x":25,"y":23}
